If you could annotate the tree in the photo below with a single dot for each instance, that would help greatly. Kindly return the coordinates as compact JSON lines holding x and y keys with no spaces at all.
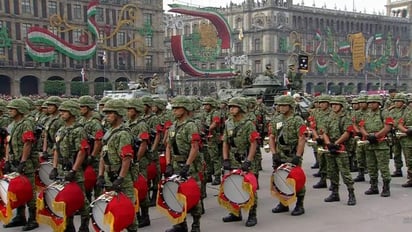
{"x":78,"y":88}
{"x":54,"y":87}
{"x":99,"y":87}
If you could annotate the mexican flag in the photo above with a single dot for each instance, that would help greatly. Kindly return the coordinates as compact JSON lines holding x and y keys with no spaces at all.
{"x":378,"y":38}
{"x":344,"y":46}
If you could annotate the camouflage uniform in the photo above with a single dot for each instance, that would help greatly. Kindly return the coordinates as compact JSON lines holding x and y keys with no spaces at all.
{"x":338,"y":161}
{"x":377,"y":152}
{"x":51,"y":126}
{"x":360,"y":149}
{"x":286,"y":131}
{"x":396,"y":113}
{"x":239,"y":136}
{"x":117,"y":148}
{"x":405,"y":126}
{"x":21,"y":132}
{"x":181,"y":135}
{"x":71,"y":141}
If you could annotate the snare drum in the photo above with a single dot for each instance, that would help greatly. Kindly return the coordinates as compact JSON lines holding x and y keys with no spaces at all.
{"x":237,"y":190}
{"x":19,"y":187}
{"x":177,"y":196}
{"x":42,"y":175}
{"x":69,"y":195}
{"x":112,"y":212}
{"x":286,"y":181}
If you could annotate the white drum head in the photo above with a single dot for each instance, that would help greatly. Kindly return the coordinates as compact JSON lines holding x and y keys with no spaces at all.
{"x":232,"y":187}
{"x":169,"y":195}
{"x":49,"y":195}
{"x":4,"y":187}
{"x":279,"y":181}
{"x":44,"y":171}
{"x":98,"y":210}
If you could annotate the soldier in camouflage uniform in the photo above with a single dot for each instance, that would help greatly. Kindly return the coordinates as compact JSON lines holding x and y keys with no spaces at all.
{"x":320,"y":124}
{"x":360,"y":115}
{"x":261,"y":125}
{"x":337,"y":131}
{"x":399,"y":105}
{"x":182,"y":154}
{"x":374,"y":128}
{"x":69,"y":153}
{"x":164,"y":116}
{"x":4,"y":123}
{"x":116,"y":162}
{"x":21,"y":158}
{"x":32,"y":108}
{"x":252,"y":116}
{"x":313,"y":110}
{"x":287,"y":142}
{"x":140,"y":130}
{"x":405,"y":126}
{"x":240,"y":142}
{"x":211,"y":121}
{"x":52,"y":125}
{"x":94,"y":131}
{"x":104,"y":123}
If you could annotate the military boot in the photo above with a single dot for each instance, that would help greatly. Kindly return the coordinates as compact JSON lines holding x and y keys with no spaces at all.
{"x":182,"y":227}
{"x":31,"y":223}
{"x":373,"y":189}
{"x":408,"y":183}
{"x":316,"y":164}
{"x":361,"y":175}
{"x":216,"y":181}
{"x":317,"y":174}
{"x":144,"y":219}
{"x":386,"y":192}
{"x":351,"y":199}
{"x":280,"y":208}
{"x":196,"y":224}
{"x":252,"y":219}
{"x":202,"y":204}
{"x":298,"y":210}
{"x":321,"y":183}
{"x":70,"y":225}
{"x":232,"y":218}
{"x":334,"y":196}
{"x":19,"y":219}
{"x":153,"y":198}
{"x":397,"y":173}
{"x":84,"y":224}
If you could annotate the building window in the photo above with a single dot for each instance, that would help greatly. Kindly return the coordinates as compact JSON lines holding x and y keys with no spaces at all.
{"x":258,"y":46}
{"x":120,"y":38}
{"x":147,"y":19}
{"x":24,"y":28}
{"x":99,"y":14}
{"x":76,"y":35}
{"x":149,"y":41}
{"x":52,"y":7}
{"x":77,"y":11}
{"x":26,"y":6}
{"x":148,"y":61}
{"x":258,"y":66}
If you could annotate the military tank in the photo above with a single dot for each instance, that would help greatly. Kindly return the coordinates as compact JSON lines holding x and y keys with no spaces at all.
{"x":262,"y":85}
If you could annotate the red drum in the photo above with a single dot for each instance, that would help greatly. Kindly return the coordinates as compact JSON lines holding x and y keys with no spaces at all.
{"x":237,"y":190}
{"x":90,"y":178}
{"x":287,"y":180}
{"x":15,"y":190}
{"x":176,"y":196}
{"x":42,"y":175}
{"x":112,"y":211}
{"x":151,"y":171}
{"x":141,"y":188}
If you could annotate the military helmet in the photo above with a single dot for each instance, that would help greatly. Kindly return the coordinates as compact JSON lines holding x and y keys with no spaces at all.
{"x":29,"y":101}
{"x":44,"y":105}
{"x":354,"y":101}
{"x":324,"y":98}
{"x":374,"y":98}
{"x":147,"y":100}
{"x":196,"y":103}
{"x":39,"y":102}
{"x":136,"y":104}
{"x":87,"y":101}
{"x":209,"y":100}
{"x":239,"y":102}
{"x":251,"y":100}
{"x":160,"y":103}
{"x":286,"y":100}
{"x":104,"y":100}
{"x":115,"y":105}
{"x":70,"y":106}
{"x":338,"y":100}
{"x":182,"y":101}
{"x":362,"y":98}
{"x":399,"y":97}
{"x":54,"y":100}
{"x":3,"y":105}
{"x":20,"y":105}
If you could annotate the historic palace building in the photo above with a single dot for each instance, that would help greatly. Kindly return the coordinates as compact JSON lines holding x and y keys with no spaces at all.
{"x":80,"y":46}
{"x":348,"y":51}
